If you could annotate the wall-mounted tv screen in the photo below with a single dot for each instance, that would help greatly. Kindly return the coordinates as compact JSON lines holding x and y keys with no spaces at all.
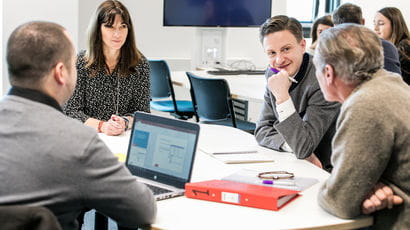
{"x":216,"y":13}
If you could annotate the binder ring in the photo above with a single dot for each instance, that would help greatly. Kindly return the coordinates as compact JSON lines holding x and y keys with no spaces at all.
{"x":276,"y":175}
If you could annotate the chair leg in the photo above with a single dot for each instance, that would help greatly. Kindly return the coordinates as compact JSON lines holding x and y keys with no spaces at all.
{"x":100,"y":221}
{"x":144,"y":227}
{"x":182,"y":116}
{"x":80,"y":218}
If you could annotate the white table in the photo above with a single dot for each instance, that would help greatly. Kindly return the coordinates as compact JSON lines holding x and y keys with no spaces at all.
{"x":302,"y":213}
{"x":246,"y":87}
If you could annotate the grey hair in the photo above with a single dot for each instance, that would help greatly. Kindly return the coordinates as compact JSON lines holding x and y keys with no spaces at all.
{"x":354,"y":51}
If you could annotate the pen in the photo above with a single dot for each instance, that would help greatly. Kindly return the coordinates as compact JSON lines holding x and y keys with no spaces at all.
{"x":278,"y":182}
{"x":277,"y":71}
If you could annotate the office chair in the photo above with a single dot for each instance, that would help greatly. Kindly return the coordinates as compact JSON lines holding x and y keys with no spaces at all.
{"x":161,"y":87}
{"x":101,"y":223}
{"x":213,"y":103}
{"x":27,"y":217}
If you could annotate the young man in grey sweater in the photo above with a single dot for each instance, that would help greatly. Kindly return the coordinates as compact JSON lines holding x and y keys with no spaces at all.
{"x":295,"y":117}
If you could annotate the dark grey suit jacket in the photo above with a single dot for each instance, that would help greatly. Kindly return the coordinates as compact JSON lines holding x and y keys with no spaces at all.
{"x":391,"y":57}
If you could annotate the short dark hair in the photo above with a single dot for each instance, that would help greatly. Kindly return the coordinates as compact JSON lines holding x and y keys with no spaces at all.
{"x":325,"y":20}
{"x":130,"y":56}
{"x":347,"y":13}
{"x":34,"y":48}
{"x":280,"y":23}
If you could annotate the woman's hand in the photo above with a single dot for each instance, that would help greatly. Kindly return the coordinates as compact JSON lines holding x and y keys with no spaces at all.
{"x":114,"y":127}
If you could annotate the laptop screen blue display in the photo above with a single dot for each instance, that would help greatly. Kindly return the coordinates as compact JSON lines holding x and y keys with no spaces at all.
{"x":163,"y":149}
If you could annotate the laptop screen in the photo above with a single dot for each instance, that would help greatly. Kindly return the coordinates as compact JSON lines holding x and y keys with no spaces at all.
{"x":162,"y":149}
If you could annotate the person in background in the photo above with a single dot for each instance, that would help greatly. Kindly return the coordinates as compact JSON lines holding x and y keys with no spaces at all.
{"x":113,"y":75}
{"x":372,"y":139}
{"x":295,"y":117}
{"x":390,"y":25}
{"x":350,"y":13}
{"x":40,"y":165}
{"x":321,"y":24}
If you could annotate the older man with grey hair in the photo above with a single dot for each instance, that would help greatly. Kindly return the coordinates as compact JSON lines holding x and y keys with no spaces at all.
{"x":372,"y":139}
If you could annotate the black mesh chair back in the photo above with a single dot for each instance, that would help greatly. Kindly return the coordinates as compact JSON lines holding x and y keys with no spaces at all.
{"x":211,"y":99}
{"x":160,"y":79}
{"x":213,"y":103}
{"x":27,"y":217}
{"x":161,"y":87}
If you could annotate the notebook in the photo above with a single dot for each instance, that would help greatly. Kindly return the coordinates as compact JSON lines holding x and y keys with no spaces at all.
{"x":220,"y":140}
{"x":161,"y":153}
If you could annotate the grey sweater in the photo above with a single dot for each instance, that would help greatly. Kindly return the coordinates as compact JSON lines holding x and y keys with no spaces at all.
{"x":371,"y":144}
{"x":310,"y":129}
{"x":48,"y":159}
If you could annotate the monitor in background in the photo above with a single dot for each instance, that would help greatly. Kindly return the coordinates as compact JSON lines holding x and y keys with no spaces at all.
{"x":216,"y":13}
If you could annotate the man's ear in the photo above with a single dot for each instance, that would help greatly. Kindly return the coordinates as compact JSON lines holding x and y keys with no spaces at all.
{"x":58,"y":73}
{"x":303,"y":44}
{"x":329,"y":74}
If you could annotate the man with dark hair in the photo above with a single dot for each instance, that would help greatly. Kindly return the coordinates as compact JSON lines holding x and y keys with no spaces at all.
{"x":48,"y":159}
{"x":350,"y":13}
{"x":372,"y":140}
{"x":295,"y":117}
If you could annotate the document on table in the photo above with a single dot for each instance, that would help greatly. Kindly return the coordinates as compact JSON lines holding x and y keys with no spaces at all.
{"x":251,"y":177}
{"x":216,"y":139}
{"x":244,"y":158}
{"x":230,"y":145}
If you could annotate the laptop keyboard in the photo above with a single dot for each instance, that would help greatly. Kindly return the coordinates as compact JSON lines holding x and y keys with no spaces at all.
{"x":157,"y":190}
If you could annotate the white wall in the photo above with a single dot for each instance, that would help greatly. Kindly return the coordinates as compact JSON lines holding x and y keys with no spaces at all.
{"x":178,"y":43}
{"x":370,"y":7}
{"x":175,"y":44}
{"x":1,"y":49}
{"x":17,"y":12}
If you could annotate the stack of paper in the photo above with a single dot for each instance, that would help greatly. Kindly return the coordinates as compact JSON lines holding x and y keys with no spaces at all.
{"x":230,"y":145}
{"x":216,"y":139}
{"x":251,"y":177}
{"x":244,"y":158}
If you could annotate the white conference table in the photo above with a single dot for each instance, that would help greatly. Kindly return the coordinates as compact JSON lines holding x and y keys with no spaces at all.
{"x":246,"y":87}
{"x":183,"y":213}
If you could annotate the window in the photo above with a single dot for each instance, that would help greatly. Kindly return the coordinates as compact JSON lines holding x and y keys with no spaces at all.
{"x":300,"y":10}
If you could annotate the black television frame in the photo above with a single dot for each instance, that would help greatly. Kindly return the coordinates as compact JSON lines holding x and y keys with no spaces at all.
{"x":213,"y":26}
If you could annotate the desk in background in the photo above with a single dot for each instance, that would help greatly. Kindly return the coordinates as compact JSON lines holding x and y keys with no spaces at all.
{"x":303,"y":213}
{"x":246,"y":87}
{"x":250,"y":88}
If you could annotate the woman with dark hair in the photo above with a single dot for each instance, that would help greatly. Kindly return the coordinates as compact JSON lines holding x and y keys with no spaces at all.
{"x":321,"y":24}
{"x":113,"y":76}
{"x":390,"y":25}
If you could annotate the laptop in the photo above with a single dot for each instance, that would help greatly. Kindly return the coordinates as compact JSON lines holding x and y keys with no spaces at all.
{"x":161,"y":153}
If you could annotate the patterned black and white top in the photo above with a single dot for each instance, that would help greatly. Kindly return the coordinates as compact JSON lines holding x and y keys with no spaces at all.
{"x":99,"y":96}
